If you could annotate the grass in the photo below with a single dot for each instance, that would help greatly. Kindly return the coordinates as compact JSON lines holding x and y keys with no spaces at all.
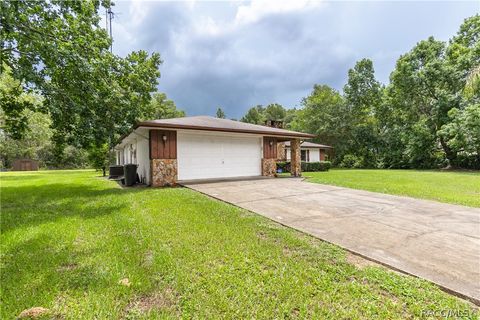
{"x":68,"y":238}
{"x":444,"y":186}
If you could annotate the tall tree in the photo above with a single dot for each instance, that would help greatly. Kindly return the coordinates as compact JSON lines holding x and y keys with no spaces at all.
{"x":99,"y":157}
{"x":363,"y":96}
{"x":426,"y":88}
{"x":290,"y":116}
{"x":255,"y":115}
{"x":35,"y":142}
{"x":323,"y":114}
{"x":462,"y":131}
{"x":362,"y":91}
{"x":220,"y":113}
{"x":275,"y":111}
{"x":58,"y":48}
{"x":163,"y":108}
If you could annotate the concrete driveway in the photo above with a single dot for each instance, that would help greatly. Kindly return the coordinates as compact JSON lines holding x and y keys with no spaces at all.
{"x":435,"y":241}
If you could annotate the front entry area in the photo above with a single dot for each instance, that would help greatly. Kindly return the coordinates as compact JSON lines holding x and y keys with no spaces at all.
{"x":203,"y":155}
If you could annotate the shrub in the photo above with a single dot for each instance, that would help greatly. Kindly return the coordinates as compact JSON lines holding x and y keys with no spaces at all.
{"x":325,"y":165}
{"x":351,"y":161}
{"x":306,"y":166}
{"x":467,"y":161}
{"x":316,"y":166}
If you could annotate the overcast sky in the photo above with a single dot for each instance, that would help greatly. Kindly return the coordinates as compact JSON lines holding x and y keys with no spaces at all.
{"x":239,"y":54}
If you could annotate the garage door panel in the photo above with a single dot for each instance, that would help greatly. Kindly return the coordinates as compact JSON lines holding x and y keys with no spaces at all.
{"x":202,"y":156}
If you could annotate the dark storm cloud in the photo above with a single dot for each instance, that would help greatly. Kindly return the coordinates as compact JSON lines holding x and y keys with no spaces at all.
{"x":213,"y":58}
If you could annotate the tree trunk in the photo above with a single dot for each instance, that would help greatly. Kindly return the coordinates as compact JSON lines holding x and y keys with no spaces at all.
{"x":449,"y":153}
{"x":104,"y":171}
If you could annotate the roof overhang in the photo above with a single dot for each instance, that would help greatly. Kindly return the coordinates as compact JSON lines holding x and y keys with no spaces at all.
{"x":132,"y":136}
{"x":283,"y":136}
{"x":298,"y":135}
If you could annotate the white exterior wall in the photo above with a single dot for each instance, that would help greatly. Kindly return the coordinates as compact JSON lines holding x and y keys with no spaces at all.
{"x":128,"y":154}
{"x":143,"y":160}
{"x":136,"y":150}
{"x":118,"y":157}
{"x":314,"y":154}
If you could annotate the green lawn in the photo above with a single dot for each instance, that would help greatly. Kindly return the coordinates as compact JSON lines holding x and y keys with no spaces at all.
{"x":445,"y":186}
{"x":69,"y":237}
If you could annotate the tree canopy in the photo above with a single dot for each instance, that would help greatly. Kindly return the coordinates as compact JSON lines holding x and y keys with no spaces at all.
{"x":59,"y":77}
{"x":58,"y":49}
{"x":162,"y":108}
{"x":428,"y":116}
{"x":274,"y":111}
{"x":36,"y":140}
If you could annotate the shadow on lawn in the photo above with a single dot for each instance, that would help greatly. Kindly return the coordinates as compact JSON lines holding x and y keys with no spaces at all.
{"x":37,"y":270}
{"x":20,"y":176}
{"x":31,"y":205}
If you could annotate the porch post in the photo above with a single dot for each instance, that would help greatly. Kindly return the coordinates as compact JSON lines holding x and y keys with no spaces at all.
{"x":296,"y":165}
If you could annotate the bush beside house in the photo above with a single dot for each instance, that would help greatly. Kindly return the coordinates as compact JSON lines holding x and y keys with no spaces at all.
{"x":284,"y":166}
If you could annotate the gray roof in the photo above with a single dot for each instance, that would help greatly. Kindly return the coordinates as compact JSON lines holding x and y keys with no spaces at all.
{"x":307,"y":144}
{"x":215,"y":124}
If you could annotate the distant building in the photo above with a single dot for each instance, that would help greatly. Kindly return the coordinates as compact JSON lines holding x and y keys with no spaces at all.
{"x":25,"y":165}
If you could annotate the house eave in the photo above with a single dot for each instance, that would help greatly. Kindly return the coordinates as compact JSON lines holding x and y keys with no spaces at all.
{"x":284,"y":136}
{"x":298,"y":135}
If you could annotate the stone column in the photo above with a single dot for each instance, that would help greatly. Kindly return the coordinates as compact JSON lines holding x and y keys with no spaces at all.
{"x":295,"y":164}
{"x":164,"y":172}
{"x":269,"y":167}
{"x":281,"y":154}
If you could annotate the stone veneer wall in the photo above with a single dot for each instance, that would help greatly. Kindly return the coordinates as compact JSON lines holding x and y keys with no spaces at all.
{"x":269,"y":167}
{"x":296,"y":164}
{"x":281,"y":153}
{"x":164,"y":172}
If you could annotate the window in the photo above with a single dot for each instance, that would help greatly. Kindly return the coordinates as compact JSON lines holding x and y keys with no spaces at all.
{"x":303,"y":155}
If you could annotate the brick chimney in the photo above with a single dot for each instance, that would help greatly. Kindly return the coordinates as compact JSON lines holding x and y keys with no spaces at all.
{"x":274,"y":123}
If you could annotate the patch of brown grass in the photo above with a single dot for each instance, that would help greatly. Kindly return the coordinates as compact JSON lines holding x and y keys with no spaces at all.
{"x":148,"y":259}
{"x":67,"y":267}
{"x":167,"y":299}
{"x":33,"y":313}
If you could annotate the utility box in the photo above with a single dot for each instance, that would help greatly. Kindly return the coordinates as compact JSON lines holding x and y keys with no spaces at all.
{"x":130,"y":174}
{"x":115,"y":171}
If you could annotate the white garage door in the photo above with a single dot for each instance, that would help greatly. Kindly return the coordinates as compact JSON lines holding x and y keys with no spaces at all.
{"x":206,"y":156}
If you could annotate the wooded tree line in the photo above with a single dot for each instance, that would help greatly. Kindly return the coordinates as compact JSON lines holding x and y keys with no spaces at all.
{"x":37,"y":139}
{"x":428,"y":116}
{"x":57,"y":67}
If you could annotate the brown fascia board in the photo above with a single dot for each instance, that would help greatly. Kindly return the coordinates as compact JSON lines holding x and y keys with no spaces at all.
{"x":266,"y":133}
{"x":174,"y":126}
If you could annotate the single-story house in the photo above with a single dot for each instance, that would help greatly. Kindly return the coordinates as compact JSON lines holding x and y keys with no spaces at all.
{"x":203,"y":147}
{"x":310,"y":152}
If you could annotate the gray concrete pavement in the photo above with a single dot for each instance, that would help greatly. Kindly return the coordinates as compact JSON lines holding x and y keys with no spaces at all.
{"x":435,"y":241}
